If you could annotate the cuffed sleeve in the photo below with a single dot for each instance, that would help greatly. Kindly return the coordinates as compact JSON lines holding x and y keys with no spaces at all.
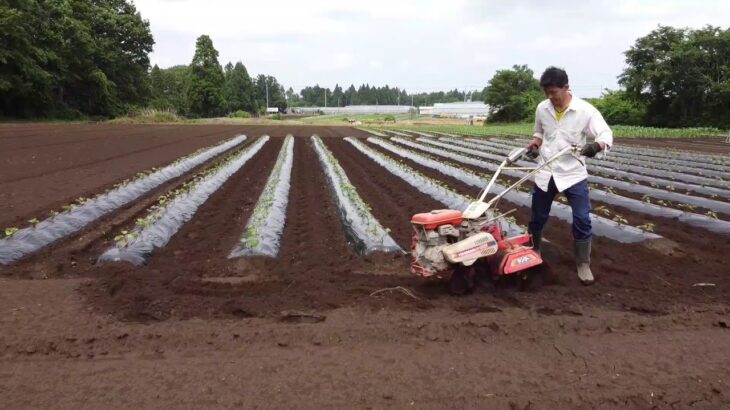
{"x":599,"y":130}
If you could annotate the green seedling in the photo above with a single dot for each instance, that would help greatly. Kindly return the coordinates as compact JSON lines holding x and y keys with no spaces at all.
{"x":10,"y":231}
{"x":649,"y":227}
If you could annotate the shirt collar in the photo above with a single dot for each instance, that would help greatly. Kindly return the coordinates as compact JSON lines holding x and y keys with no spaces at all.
{"x":571,"y":106}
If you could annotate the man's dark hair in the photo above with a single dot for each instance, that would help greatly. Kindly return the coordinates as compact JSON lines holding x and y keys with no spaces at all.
{"x":554,"y":77}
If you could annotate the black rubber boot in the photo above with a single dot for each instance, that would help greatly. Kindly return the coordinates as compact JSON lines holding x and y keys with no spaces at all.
{"x":583,"y":261}
{"x":537,"y":242}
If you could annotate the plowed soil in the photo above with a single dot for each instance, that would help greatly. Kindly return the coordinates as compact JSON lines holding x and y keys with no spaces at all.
{"x":320,"y":326}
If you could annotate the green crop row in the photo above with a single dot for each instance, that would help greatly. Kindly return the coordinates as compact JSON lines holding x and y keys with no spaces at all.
{"x":526,"y":129}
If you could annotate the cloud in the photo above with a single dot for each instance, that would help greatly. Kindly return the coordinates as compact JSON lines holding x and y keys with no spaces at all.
{"x":419,"y":45}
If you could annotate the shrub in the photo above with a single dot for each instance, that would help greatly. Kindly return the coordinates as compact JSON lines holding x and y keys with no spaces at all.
{"x":149,"y":115}
{"x":239,"y":114}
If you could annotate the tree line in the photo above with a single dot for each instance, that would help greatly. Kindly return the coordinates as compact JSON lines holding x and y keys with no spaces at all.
{"x":84,"y":58}
{"x":366,"y":94}
{"x":72,"y":58}
{"x":205,"y":89}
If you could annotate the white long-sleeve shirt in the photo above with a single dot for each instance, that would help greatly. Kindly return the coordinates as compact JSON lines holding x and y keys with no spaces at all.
{"x":579,"y":121}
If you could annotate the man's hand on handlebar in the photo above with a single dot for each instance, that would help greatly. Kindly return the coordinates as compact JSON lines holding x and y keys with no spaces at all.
{"x":590,"y":150}
{"x":533,"y":150}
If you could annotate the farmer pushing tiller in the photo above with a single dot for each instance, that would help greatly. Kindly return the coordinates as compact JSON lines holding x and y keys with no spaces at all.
{"x":456,"y":245}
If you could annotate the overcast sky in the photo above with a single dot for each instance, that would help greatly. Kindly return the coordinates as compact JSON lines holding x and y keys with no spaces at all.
{"x":418,"y":45}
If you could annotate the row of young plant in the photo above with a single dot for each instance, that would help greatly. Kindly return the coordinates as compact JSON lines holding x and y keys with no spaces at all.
{"x":708,"y":222}
{"x":428,"y":186}
{"x":393,"y":132}
{"x":173,"y":209}
{"x":419,"y":133}
{"x":361,"y":228}
{"x":372,"y":131}
{"x":646,"y":170}
{"x":705,"y":169}
{"x":601,"y":226}
{"x":633,"y":153}
{"x":73,"y":217}
{"x":631,"y":186}
{"x":654,"y":181}
{"x":633,"y":149}
{"x":663,"y":154}
{"x":262,"y":235}
{"x":526,"y":129}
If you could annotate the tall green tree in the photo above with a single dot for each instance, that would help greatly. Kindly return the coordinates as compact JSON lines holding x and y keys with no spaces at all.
{"x":277,"y":95}
{"x":239,"y":92}
{"x":25,"y":53}
{"x":293,"y":99}
{"x":618,"y":108}
{"x":681,"y":75}
{"x":59,"y":57}
{"x":169,"y":88}
{"x":512,"y":95}
{"x":205,"y":96}
{"x":313,"y":96}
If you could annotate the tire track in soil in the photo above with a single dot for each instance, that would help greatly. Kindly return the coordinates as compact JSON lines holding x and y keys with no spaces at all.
{"x":639,"y":278}
{"x":76,"y":254}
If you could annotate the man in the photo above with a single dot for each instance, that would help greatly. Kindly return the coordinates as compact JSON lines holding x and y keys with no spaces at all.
{"x":561,"y":120}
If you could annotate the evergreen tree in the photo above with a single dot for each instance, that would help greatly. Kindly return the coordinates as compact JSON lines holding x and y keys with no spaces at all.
{"x":276,"y":92}
{"x":239,"y":91}
{"x":205,"y":94}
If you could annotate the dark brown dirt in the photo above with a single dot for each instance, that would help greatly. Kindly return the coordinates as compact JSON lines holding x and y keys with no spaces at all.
{"x":195,"y":329}
{"x":43,"y":167}
{"x":78,"y":252}
{"x":710,"y":145}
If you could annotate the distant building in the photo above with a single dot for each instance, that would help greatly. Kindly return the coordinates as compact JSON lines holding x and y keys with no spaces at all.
{"x":457,"y":109}
{"x":357,"y":109}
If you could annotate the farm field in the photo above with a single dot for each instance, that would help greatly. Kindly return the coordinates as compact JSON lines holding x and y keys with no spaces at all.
{"x":119,"y":282}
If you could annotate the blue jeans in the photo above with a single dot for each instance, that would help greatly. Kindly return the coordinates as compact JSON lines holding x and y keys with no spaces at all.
{"x":579,"y":202}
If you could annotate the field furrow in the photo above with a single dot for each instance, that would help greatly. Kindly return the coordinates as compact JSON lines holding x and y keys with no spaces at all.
{"x":165,"y":219}
{"x":262,"y":234}
{"x":361,"y":228}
